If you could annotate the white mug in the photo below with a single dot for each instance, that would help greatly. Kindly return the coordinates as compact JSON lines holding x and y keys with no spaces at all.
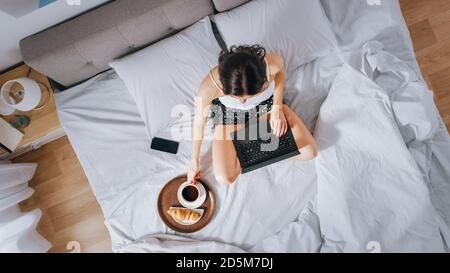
{"x":200,"y":195}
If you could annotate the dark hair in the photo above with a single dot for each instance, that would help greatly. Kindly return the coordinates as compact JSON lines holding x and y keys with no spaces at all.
{"x":242,"y":70}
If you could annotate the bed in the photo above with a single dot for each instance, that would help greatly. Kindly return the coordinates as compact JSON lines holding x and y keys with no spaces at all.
{"x":383,"y":187}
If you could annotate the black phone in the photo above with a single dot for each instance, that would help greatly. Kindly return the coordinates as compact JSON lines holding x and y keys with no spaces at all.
{"x":165,"y":145}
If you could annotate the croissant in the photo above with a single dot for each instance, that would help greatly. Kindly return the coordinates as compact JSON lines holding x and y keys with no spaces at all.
{"x":184,"y":215}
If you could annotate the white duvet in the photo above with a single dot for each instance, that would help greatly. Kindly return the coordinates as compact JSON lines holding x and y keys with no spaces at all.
{"x":369,"y":188}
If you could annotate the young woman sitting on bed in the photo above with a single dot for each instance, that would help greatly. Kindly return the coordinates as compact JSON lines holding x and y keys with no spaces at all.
{"x":247,"y":80}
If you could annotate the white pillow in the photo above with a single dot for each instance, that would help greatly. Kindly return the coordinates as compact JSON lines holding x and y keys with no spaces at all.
{"x":169,"y":73}
{"x":298,"y":30}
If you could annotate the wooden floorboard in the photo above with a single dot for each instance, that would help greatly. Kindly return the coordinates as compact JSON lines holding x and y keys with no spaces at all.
{"x":429,"y":24}
{"x":70,"y":211}
{"x":62,"y":192}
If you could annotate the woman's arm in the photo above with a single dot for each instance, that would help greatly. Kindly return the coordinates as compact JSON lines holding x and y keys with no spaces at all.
{"x":278,"y":120}
{"x":205,"y":95}
{"x":276,"y":67}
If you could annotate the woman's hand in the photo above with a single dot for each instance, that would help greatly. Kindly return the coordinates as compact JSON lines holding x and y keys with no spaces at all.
{"x":278,"y":121}
{"x":194,"y":172}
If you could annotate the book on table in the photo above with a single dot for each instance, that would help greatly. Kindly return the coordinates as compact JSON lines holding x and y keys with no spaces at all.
{"x":10,"y":137}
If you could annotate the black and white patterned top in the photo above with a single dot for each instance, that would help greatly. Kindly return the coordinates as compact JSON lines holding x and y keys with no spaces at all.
{"x":224,"y":115}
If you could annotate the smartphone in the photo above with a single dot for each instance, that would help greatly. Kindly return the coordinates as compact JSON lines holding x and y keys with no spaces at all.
{"x":165,"y":145}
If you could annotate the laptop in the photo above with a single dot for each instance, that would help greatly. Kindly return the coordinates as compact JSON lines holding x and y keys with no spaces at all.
{"x":257,"y":147}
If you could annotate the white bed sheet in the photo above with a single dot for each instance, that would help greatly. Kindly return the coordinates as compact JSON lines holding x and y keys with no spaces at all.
{"x":126,"y":175}
{"x":425,"y":134}
{"x":110,"y":140}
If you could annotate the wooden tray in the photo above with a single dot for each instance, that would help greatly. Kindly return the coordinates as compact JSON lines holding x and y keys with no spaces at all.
{"x":168,"y":198}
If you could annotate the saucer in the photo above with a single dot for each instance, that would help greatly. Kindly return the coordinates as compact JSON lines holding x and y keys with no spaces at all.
{"x":195,"y":204}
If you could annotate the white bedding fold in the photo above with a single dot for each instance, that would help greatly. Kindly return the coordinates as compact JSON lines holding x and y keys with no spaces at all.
{"x":369,"y":187}
{"x":163,"y":243}
{"x":418,"y":120}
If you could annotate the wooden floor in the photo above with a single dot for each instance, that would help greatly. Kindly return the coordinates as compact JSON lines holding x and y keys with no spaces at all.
{"x":429,"y":24}
{"x":70,"y":211}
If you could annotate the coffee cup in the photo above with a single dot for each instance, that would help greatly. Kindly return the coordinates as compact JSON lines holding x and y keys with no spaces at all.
{"x":191,"y":196}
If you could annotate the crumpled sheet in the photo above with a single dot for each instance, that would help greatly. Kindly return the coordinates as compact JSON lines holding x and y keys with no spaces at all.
{"x":369,"y":186}
{"x":418,"y":120}
{"x":164,"y":243}
{"x":377,"y":132}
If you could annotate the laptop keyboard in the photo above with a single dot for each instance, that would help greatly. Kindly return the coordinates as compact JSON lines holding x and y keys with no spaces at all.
{"x":264,"y":150}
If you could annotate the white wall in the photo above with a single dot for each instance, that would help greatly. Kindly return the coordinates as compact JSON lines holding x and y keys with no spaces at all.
{"x":12,"y":29}
{"x":19,"y":8}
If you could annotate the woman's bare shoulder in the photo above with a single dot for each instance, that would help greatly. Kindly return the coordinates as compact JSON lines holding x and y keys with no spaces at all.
{"x":275,"y":61}
{"x":208,"y":89}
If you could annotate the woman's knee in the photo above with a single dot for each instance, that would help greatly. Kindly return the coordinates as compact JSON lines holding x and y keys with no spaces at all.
{"x":225,"y":179}
{"x":288,"y":113}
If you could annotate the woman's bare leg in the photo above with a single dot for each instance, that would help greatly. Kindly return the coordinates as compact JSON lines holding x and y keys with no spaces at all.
{"x":303,"y":138}
{"x":225,"y":162}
